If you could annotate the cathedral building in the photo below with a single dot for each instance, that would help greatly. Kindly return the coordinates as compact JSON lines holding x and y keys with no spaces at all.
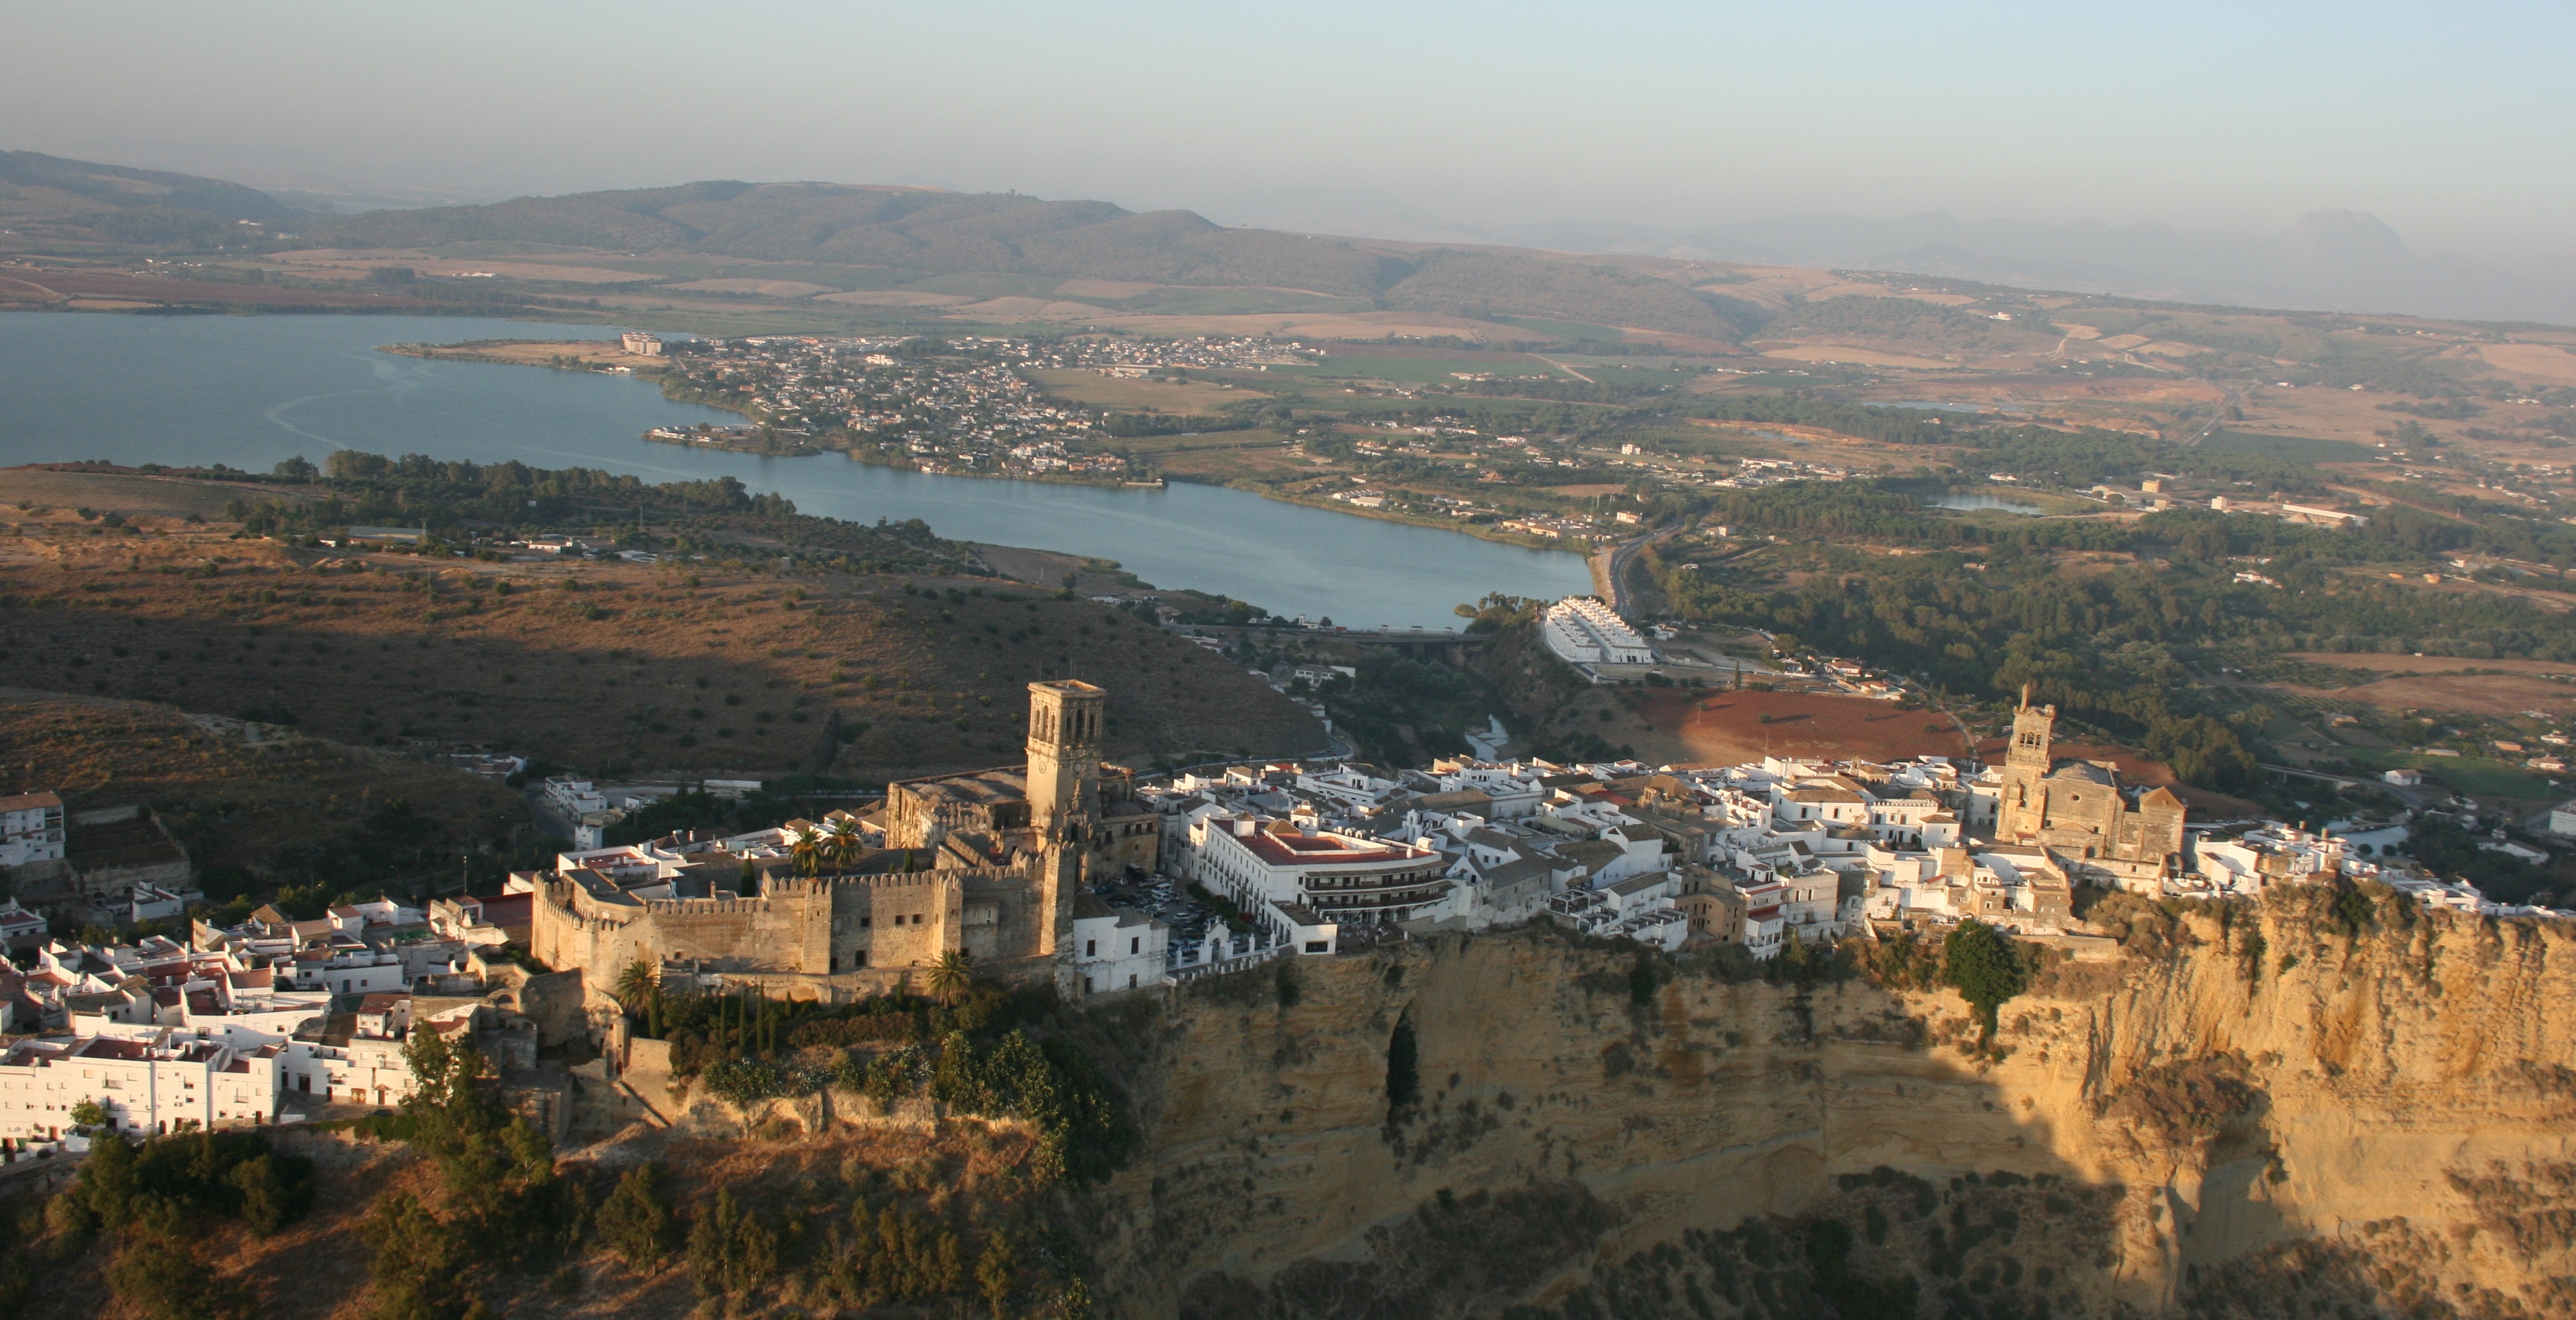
{"x":2078,"y":811}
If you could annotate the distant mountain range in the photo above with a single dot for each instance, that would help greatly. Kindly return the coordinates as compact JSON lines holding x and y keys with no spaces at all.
{"x":913,"y":232}
{"x":2329,"y":260}
{"x":1334,"y":243}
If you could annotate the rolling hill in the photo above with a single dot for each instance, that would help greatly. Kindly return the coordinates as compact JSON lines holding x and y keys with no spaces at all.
{"x":906,"y":233}
{"x":78,"y":201}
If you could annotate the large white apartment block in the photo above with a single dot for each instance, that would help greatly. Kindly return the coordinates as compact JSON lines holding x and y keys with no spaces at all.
{"x":31,"y":829}
{"x":163,"y":1081}
{"x":214,"y":1071}
{"x":1347,"y":879}
{"x":1581,"y":630}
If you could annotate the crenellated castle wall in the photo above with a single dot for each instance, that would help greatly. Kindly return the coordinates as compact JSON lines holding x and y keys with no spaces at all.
{"x":820,"y":926}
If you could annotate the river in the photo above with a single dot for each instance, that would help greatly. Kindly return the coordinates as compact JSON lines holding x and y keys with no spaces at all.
{"x":252,"y":390}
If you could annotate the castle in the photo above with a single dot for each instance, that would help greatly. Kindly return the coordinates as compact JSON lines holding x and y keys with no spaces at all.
{"x":2078,"y":812}
{"x":986,"y":863}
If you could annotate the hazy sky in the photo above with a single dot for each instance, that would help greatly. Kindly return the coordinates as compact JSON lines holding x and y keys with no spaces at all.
{"x":2456,"y":123}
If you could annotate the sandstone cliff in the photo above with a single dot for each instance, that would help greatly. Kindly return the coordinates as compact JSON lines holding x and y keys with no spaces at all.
{"x":2242,"y":1113}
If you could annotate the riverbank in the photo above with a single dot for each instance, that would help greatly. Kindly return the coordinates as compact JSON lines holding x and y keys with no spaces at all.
{"x":598,"y":357}
{"x":560,"y":354}
{"x":608,"y":357}
{"x":1034,"y":478}
{"x":1479,"y":531}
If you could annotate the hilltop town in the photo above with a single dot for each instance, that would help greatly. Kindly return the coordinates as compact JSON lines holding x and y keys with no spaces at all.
{"x":1071,"y":874}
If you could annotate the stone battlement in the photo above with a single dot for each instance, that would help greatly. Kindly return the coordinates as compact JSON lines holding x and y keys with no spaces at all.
{"x":837,"y":933}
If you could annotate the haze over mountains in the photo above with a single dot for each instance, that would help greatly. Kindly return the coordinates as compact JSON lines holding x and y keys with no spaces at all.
{"x":1338,"y":243}
{"x":2333,"y":260}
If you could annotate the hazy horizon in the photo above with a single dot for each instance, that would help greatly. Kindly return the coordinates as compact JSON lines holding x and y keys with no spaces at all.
{"x":2450,"y":127}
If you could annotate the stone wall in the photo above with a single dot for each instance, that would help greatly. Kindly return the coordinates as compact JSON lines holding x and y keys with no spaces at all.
{"x":833,"y":938}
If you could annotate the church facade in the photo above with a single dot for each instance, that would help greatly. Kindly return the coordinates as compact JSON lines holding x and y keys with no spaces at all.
{"x":2079,"y":811}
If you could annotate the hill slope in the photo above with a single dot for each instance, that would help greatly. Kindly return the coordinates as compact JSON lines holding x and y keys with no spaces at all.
{"x":50,"y":197}
{"x":906,"y":229}
{"x":901,"y":234}
{"x":728,"y":663}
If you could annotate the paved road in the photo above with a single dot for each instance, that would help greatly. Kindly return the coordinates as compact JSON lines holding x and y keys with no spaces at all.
{"x":1622,"y":555}
{"x":2207,"y":427}
{"x":2411,"y":797}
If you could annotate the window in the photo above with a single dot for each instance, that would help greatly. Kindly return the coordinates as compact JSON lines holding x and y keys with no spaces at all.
{"x":1135,"y":945}
{"x":1091,"y":948}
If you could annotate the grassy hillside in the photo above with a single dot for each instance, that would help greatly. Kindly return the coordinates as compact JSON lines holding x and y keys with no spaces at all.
{"x":81,"y":202}
{"x":257,"y":809}
{"x":785,"y":646}
{"x":1489,"y":284}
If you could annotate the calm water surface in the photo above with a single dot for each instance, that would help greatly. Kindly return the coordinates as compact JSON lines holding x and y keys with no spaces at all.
{"x":251,"y":390}
{"x":1984,"y":502}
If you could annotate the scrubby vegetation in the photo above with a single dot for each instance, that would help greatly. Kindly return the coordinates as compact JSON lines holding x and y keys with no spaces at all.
{"x":973,"y":1048}
{"x":779,"y":657}
{"x":153,"y":1206}
{"x":470,"y":1213}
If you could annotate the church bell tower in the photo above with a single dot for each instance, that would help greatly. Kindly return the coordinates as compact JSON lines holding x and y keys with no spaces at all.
{"x":2026,"y":763}
{"x":1064,"y":796}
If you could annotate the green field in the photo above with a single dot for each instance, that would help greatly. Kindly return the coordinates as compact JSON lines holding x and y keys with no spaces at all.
{"x":1171,"y":300}
{"x":1418,"y":371}
{"x":989,"y":284}
{"x":2287,"y":448}
{"x":809,"y":272}
{"x":1648,"y":372}
{"x":1576,"y":331}
{"x":2470,"y":776}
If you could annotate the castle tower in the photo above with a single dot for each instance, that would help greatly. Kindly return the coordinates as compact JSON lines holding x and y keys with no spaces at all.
{"x":1064,"y":796}
{"x":2026,"y":763}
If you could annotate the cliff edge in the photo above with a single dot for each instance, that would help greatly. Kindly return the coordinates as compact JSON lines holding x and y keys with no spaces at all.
{"x":2332,"y":1100}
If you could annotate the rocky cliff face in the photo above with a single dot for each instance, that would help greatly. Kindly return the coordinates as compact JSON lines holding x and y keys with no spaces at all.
{"x":2305,"y":1107}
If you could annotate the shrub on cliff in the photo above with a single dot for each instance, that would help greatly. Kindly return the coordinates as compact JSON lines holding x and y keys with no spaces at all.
{"x":636,"y":1220}
{"x":2147,"y":927}
{"x":1982,"y":963}
{"x":748,"y":1081}
{"x":160,"y":1277}
{"x":2185,"y":1103}
{"x":186,"y":1182}
{"x":1081,"y":1133}
{"x":732,"y":1250}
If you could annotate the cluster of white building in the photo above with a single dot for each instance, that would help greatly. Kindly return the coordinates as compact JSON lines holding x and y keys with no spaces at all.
{"x":165,"y":1038}
{"x":592,"y":808}
{"x":248,"y":1024}
{"x":1311,"y":860}
{"x":1583,"y":631}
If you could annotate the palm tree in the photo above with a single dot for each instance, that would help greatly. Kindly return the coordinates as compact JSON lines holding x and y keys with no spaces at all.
{"x":807,"y":849}
{"x":841,"y":842}
{"x":636,"y":983}
{"x":952,"y":976}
